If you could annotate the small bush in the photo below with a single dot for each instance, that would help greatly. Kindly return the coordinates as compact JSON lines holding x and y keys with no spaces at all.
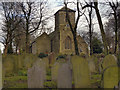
{"x":83,"y":55}
{"x":22,"y":73}
{"x":42,"y":55}
{"x":50,"y":84}
{"x":61,"y":57}
{"x":48,"y":71}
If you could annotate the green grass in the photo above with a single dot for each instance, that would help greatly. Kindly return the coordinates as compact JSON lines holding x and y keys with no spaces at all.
{"x":15,"y":82}
{"x":96,"y":76}
{"x":50,"y":84}
{"x":15,"y":78}
{"x":95,"y":80}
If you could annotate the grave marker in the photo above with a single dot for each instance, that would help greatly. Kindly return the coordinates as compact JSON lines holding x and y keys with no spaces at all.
{"x":64,"y":76}
{"x":110,"y":77}
{"x":37,"y":75}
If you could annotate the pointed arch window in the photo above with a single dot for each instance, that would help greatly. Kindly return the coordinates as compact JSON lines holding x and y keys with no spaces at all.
{"x":68,"y":43}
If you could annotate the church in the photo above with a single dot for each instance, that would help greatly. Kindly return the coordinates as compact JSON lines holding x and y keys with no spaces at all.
{"x":61,"y":39}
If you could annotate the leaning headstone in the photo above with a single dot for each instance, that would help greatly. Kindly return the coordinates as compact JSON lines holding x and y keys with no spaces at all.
{"x":37,"y":75}
{"x":109,"y":60}
{"x":110,"y":77}
{"x":64,"y":79}
{"x":81,"y":74}
{"x":0,"y":71}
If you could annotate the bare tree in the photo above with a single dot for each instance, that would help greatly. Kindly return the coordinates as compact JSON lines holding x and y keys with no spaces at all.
{"x":110,"y":36}
{"x":89,"y":21}
{"x":34,"y":15}
{"x":74,"y":28}
{"x":10,"y":23}
{"x":95,"y":6}
{"x":114,"y":6}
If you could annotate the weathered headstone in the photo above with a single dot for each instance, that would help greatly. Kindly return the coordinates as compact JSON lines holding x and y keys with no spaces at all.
{"x":110,"y":77}
{"x":91,"y":65}
{"x":46,"y":61}
{"x":64,"y":79}
{"x":0,"y":71}
{"x":51,"y":58}
{"x":8,"y":65}
{"x":54,"y":71}
{"x":109,"y":60}
{"x":37,"y":75}
{"x":81,"y":74}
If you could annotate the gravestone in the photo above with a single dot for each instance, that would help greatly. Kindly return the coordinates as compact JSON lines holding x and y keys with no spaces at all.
{"x":109,"y":60}
{"x":64,"y":79}
{"x":81,"y":74}
{"x":54,"y":71}
{"x":37,"y":75}
{"x":46,"y":61}
{"x":8,"y":65}
{"x":51,"y":58}
{"x":91,"y":65}
{"x":0,"y":71}
{"x":110,"y":77}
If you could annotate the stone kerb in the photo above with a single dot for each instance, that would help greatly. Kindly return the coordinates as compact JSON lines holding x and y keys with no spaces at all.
{"x":37,"y":75}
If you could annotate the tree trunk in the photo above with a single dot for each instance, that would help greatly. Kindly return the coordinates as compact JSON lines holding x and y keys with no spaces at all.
{"x":73,"y":29}
{"x":27,"y":42}
{"x":6,"y":49}
{"x":115,"y":16}
{"x":90,"y":30}
{"x":101,"y":28}
{"x":119,"y":48}
{"x":10,"y":45}
{"x":76,"y":44}
{"x":27,"y":35}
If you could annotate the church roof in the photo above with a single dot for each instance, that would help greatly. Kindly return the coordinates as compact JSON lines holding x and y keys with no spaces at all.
{"x":44,"y":34}
{"x":63,"y":9}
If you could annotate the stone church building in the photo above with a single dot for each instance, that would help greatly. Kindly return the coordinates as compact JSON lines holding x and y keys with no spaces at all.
{"x":61,"y":40}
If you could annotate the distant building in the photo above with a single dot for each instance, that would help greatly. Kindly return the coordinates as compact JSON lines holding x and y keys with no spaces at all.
{"x":61,"y":40}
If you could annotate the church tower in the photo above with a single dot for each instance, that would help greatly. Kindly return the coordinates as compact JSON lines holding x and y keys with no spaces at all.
{"x":66,"y":43}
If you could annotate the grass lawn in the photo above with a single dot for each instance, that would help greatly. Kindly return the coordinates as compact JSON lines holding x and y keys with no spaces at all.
{"x":15,"y":82}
